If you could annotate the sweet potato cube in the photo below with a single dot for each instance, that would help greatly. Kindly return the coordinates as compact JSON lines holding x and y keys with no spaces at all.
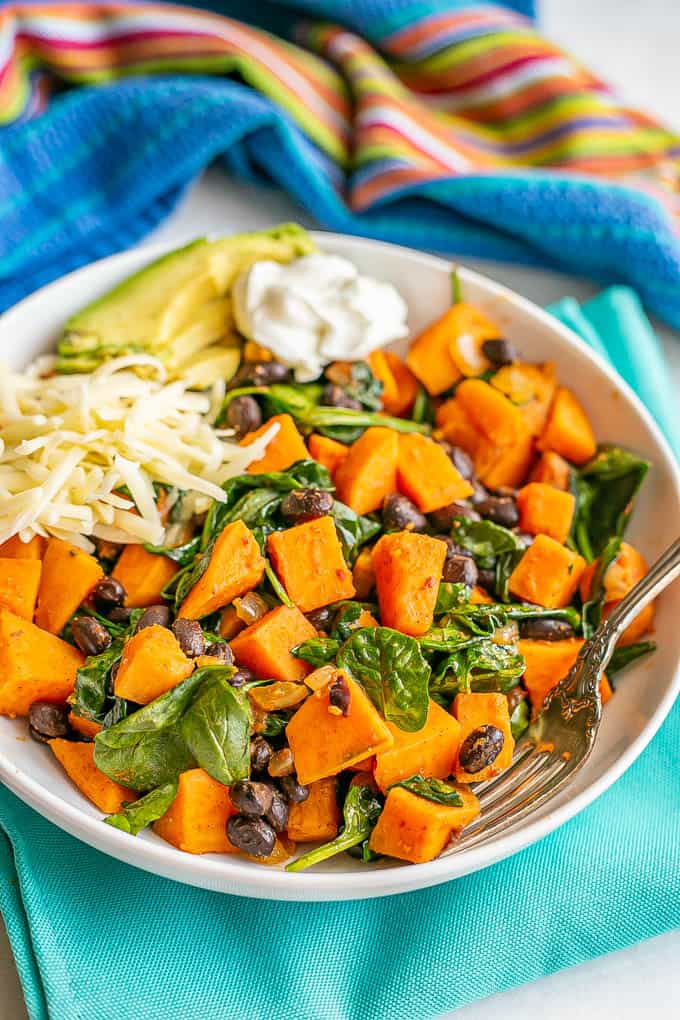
{"x":152,"y":663}
{"x":429,"y":752}
{"x":369,"y":472}
{"x":548,"y":662}
{"x":265,"y":646}
{"x":196,"y":821}
{"x":15,"y":549}
{"x":309,"y":562}
{"x":144,"y":575}
{"x":498,"y":464}
{"x":400,"y":386}
{"x":327,"y":451}
{"x":68,"y":577}
{"x":19,"y":583}
{"x":531,"y":387}
{"x":551,"y":469}
{"x":381,"y":370}
{"x":475,"y":710}
{"x":34,"y":665}
{"x":363,"y":574}
{"x":77,"y":760}
{"x":86,"y":727}
{"x":236,"y":566}
{"x":431,"y":357}
{"x":318,"y":817}
{"x":324,"y":744}
{"x":548,"y":574}
{"x":455,"y":425}
{"x":546,"y":510}
{"x":284,"y":449}
{"x":491,"y":413}
{"x":408,"y":568}
{"x":427,"y":475}
{"x":568,"y":430}
{"x":414,"y":829}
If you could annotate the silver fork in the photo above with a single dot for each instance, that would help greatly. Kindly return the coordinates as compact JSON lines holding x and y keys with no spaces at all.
{"x":559,"y":741}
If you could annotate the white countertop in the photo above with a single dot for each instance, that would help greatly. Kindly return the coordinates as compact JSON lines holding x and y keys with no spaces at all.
{"x":635,"y":46}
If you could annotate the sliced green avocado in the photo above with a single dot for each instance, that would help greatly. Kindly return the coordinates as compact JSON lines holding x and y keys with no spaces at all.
{"x":146,"y":312}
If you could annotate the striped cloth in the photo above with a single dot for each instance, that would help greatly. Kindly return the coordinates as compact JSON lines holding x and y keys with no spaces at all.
{"x":449,"y":125}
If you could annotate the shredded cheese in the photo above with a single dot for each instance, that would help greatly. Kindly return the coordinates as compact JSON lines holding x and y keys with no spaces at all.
{"x":72,"y":447}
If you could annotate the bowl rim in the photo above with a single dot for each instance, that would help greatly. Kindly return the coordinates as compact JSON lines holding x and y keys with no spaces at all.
{"x":219,"y":872}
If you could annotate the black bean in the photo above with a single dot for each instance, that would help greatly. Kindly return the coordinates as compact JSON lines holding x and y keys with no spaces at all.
{"x":251,"y":798}
{"x":240,"y":677}
{"x":451,"y":548}
{"x":460,"y":570}
{"x":305,"y":505}
{"x":292,"y":790}
{"x":460,"y":459}
{"x":154,"y":616}
{"x":121,"y":614}
{"x":334,"y":396}
{"x":190,"y":636}
{"x":481,"y":748}
{"x":244,"y":415}
{"x":500,"y":352}
{"x":90,"y":635}
{"x":277,"y":816}
{"x":479,"y":493}
{"x":500,"y":510}
{"x":339,"y":696}
{"x":108,"y":594}
{"x":322,"y":618}
{"x":486,"y":577}
{"x":47,"y":720}
{"x":253,"y":836}
{"x":259,"y":373}
{"x":442,"y":519}
{"x":400,"y":514}
{"x":260,"y":753}
{"x":222,"y":650}
{"x":545,"y":630}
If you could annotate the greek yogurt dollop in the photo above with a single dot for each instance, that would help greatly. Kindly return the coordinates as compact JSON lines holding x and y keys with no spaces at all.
{"x":315,"y":310}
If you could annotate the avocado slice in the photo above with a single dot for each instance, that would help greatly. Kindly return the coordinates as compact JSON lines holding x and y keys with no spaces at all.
{"x":158,"y":310}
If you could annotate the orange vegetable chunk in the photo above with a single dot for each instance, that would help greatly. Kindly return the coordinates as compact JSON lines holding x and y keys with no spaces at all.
{"x":265,"y":646}
{"x":152,"y":663}
{"x":318,"y":817}
{"x":498,"y":465}
{"x":455,"y":425}
{"x":327,"y":451}
{"x":19,"y":583}
{"x":144,"y":575}
{"x":363,"y":574}
{"x":86,"y":727}
{"x":552,"y":469}
{"x":429,"y":752}
{"x":14,"y":548}
{"x":530,"y":387}
{"x":236,"y":566}
{"x":381,"y":370}
{"x":475,"y":710}
{"x":77,"y":760}
{"x":400,"y":386}
{"x":324,"y":744}
{"x":284,"y":449}
{"x":433,"y":354}
{"x":369,"y":472}
{"x":548,"y":574}
{"x":546,"y":510}
{"x":628,"y":568}
{"x":491,"y":413}
{"x":426,"y":475}
{"x":568,"y":430}
{"x":34,"y":665}
{"x":196,"y":821}
{"x":408,"y":568}
{"x":414,"y":829}
{"x":547,"y":662}
{"x":68,"y":577}
{"x":309,"y":562}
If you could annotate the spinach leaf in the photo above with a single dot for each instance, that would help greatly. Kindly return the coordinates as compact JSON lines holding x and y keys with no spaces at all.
{"x":353,"y":529}
{"x":591,"y":612}
{"x":605,"y":490}
{"x":435,"y":790}
{"x":519,"y":720}
{"x":423,"y":410}
{"x":480,"y":667}
{"x":347,"y":618}
{"x":391,"y":669}
{"x":450,"y":596}
{"x":317,"y":651}
{"x":364,"y":386}
{"x":361,"y":811}
{"x":276,"y":722}
{"x":456,"y":288}
{"x":277,"y":587}
{"x":623,"y":657}
{"x":505,"y":564}
{"x":92,"y":692}
{"x":498,"y":614}
{"x":485,"y":540}
{"x":182,"y":554}
{"x":139,"y":813}
{"x":216,"y":730}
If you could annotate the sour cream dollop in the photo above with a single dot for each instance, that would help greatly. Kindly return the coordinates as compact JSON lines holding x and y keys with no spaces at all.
{"x":315,"y":310}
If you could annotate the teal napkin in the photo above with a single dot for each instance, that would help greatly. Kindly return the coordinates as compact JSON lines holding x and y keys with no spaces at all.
{"x":95,"y":939}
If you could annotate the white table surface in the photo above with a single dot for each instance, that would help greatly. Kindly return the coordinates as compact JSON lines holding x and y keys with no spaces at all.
{"x":634,"y":45}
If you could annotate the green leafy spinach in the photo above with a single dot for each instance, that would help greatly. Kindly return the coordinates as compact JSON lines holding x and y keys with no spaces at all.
{"x":435,"y":790}
{"x":361,"y":811}
{"x":605,"y":491}
{"x":138,"y":814}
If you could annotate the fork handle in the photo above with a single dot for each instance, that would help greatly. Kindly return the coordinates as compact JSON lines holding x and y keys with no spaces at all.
{"x":661,"y":574}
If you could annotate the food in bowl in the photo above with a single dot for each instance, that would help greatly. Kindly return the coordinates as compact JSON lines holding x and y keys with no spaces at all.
{"x":320,"y":636}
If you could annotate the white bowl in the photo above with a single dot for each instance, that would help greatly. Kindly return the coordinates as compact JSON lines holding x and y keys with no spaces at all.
{"x":631,"y":719}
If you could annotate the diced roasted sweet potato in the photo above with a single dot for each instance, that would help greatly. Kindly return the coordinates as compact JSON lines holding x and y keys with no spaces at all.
{"x":480,"y":596}
{"x":490,"y":411}
{"x":547,"y":662}
{"x":196,"y":821}
{"x":152,"y":663}
{"x":363,"y":574}
{"x":531,"y":387}
{"x":19,"y":583}
{"x":628,"y":568}
{"x":408,"y":568}
{"x":327,"y":451}
{"x":309,"y":562}
{"x":499,"y":465}
{"x":369,"y":472}
{"x":545,"y":510}
{"x":548,"y":574}
{"x":144,"y":575}
{"x":551,"y":469}
{"x":426,"y":475}
{"x":284,"y":449}
{"x":323,"y":743}
{"x":568,"y":430}
{"x":86,"y":727}
{"x":77,"y":760}
{"x":265,"y":646}
{"x":429,"y":752}
{"x":14,"y":548}
{"x":34,"y":665}
{"x":414,"y":829}
{"x":400,"y":386}
{"x":455,"y":425}
{"x":318,"y":817}
{"x":236,"y":566}
{"x":68,"y":577}
{"x":436,"y":355}
{"x":475,"y":710}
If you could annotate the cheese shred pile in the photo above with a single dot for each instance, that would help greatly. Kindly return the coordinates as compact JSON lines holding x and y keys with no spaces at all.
{"x":79,"y":453}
